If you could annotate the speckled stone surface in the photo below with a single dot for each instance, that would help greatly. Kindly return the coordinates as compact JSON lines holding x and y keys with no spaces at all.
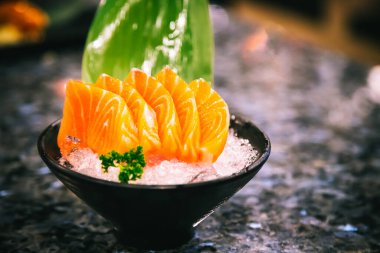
{"x":319,"y":192}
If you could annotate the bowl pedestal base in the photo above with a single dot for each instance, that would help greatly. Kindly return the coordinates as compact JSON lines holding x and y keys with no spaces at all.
{"x":154,"y":240}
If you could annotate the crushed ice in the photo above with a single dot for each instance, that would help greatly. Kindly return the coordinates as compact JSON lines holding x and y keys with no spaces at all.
{"x":237,"y":154}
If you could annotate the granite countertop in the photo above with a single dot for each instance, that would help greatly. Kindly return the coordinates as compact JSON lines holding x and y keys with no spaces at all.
{"x":319,"y":191}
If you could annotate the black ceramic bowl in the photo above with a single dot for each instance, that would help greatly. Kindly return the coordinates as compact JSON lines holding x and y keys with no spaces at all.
{"x":155,"y":216}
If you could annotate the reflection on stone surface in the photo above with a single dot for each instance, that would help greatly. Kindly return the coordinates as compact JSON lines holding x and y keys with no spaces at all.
{"x":319,"y":192}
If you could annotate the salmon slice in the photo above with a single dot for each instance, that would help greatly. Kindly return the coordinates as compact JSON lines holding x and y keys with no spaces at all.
{"x":214,"y":120}
{"x":160,"y":100}
{"x":97,"y":119}
{"x":143,"y":115}
{"x":186,"y":107}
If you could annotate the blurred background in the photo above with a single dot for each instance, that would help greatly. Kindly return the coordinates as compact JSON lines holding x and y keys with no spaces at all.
{"x":43,"y":24}
{"x":349,"y":26}
{"x":306,"y":72}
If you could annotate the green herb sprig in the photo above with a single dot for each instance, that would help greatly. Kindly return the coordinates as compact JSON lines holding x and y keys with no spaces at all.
{"x":131,"y":163}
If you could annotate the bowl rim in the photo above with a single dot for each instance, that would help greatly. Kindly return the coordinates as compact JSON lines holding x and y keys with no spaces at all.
{"x":250,"y":168}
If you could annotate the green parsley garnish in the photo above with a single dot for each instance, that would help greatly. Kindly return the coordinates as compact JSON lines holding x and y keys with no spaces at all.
{"x":131,"y":163}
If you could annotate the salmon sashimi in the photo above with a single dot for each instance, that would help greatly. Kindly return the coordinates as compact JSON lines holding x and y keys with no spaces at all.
{"x":97,"y":119}
{"x":164,"y":115}
{"x":143,"y":115}
{"x":160,"y":100}
{"x":186,"y":107}
{"x":214,"y":120}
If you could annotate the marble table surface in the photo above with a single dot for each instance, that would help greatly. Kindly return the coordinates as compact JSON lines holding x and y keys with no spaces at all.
{"x":319,"y":191}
